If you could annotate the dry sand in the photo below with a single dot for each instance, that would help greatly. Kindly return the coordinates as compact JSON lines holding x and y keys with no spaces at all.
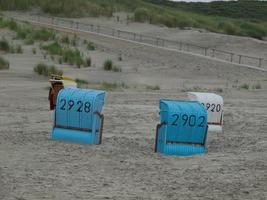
{"x":124,"y":166}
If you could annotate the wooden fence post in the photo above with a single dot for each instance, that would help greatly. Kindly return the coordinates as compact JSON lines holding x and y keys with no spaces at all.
{"x":260,"y":62}
{"x":232,"y":57}
{"x":157,"y":41}
{"x":206,"y":50}
{"x":213,"y":53}
{"x":181,"y":46}
{"x":239,"y":60}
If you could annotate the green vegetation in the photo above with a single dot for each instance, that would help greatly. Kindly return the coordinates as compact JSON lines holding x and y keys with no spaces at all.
{"x":45,"y":70}
{"x":247,"y":9}
{"x":26,"y":33}
{"x":149,"y":87}
{"x":219,"y":90}
{"x":67,"y":55}
{"x":110,"y":86}
{"x":88,"y":62}
{"x":4,"y":64}
{"x":18,"y":49}
{"x":256,"y":86}
{"x":91,"y":46}
{"x":73,"y":57}
{"x":74,"y":40}
{"x":4,"y":45}
{"x":65,"y":39}
{"x":120,"y":57}
{"x":81,"y":81}
{"x":53,"y":48}
{"x":33,"y":50}
{"x":244,"y":86}
{"x":113,"y":86}
{"x":29,"y":41}
{"x":108,"y":65}
{"x":8,"y":48}
{"x":244,"y":18}
{"x":30,"y":34}
{"x":116,"y":68}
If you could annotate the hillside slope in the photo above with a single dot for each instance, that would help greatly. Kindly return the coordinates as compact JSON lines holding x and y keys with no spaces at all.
{"x":244,"y":18}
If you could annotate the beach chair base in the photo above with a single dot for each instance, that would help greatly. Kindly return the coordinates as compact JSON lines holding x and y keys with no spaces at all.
{"x":174,"y":148}
{"x":183,"y":150}
{"x":215,"y":128}
{"x":69,"y":135}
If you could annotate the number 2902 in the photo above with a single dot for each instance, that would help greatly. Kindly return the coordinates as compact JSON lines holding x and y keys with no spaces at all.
{"x":188,"y":120}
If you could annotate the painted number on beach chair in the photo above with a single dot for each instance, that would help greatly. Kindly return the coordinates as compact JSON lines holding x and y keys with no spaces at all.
{"x":188,"y":120}
{"x":81,"y":106}
{"x":213,"y":107}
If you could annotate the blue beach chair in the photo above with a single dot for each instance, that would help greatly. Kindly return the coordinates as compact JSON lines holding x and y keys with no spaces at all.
{"x":183,"y":128}
{"x":78,"y":116}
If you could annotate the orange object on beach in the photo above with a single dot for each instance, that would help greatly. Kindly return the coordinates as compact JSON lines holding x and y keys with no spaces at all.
{"x":57,"y":84}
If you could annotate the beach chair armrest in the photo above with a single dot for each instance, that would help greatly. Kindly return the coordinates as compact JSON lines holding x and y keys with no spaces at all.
{"x":101,"y":116}
{"x":157,"y":134}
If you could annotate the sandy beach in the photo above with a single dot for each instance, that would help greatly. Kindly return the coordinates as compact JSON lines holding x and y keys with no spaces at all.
{"x":124,"y":166}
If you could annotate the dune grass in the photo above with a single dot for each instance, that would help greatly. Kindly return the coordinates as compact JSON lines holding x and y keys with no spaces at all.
{"x":6,"y":47}
{"x":46,"y":70}
{"x":149,"y":87}
{"x":54,"y":48}
{"x":244,"y":18}
{"x":88,"y":62}
{"x":244,"y":86}
{"x":73,"y":57}
{"x":113,"y":86}
{"x":27,"y":33}
{"x":108,"y":65}
{"x":183,"y":19}
{"x":31,"y":34}
{"x":91,"y":46}
{"x":67,"y":54}
{"x":256,"y":86}
{"x":65,"y":39}
{"x":81,"y":83}
{"x":4,"y":64}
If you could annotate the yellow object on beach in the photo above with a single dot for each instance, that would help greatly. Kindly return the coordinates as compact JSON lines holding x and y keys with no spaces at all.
{"x":67,"y":78}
